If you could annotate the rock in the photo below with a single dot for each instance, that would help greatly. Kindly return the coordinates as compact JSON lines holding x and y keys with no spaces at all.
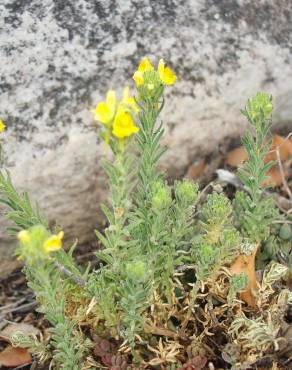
{"x":58,"y":59}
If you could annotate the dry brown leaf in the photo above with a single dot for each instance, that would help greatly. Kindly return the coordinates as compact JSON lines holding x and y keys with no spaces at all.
{"x":196,"y":170}
{"x":15,"y":356}
{"x":246,"y":264}
{"x":10,"y":329}
{"x":274,"y":177}
{"x":236,"y":156}
{"x":285,"y":149}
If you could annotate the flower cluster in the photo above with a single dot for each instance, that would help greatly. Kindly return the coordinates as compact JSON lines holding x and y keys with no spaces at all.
{"x":161,"y":197}
{"x":137,"y":271}
{"x":150,"y":82}
{"x":117,"y":116}
{"x":146,"y":71}
{"x":186,"y":192}
{"x":259,"y":107}
{"x":37,"y":242}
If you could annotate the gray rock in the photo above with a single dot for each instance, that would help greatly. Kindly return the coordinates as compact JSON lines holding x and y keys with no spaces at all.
{"x":58,"y":59}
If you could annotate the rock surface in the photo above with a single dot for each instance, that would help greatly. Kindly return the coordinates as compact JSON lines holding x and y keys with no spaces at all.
{"x":58,"y":59}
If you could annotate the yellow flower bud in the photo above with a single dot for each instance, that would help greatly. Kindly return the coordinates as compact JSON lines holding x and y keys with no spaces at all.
{"x":144,"y":66}
{"x":150,"y":86}
{"x":23,"y":236}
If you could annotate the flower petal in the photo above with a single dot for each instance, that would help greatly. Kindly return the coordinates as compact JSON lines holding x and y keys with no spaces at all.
{"x":169,"y":76}
{"x":145,"y":65}
{"x":111,"y":101}
{"x":129,"y":101}
{"x":54,"y":243}
{"x":126,"y":93}
{"x":166,"y":74}
{"x":102,"y":113}
{"x":161,"y":69}
{"x":138,"y":78}
{"x":2,"y":126}
{"x":123,"y":125}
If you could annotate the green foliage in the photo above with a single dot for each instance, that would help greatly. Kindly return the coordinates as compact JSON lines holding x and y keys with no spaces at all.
{"x":69,"y":345}
{"x":238,"y":283}
{"x":39,"y":348}
{"x":134,"y":291}
{"x":186,"y":192}
{"x":255,"y":210}
{"x":161,"y":197}
{"x":43,"y":277}
{"x":50,"y":290}
{"x":217,"y":241}
{"x":103,"y":286}
{"x":22,"y":213}
{"x":145,"y":223}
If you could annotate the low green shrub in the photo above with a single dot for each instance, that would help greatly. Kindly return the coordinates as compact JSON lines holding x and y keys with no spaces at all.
{"x":177,"y":283}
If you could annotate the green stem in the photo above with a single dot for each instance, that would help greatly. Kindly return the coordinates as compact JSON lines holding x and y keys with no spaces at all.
{"x":150,"y":152}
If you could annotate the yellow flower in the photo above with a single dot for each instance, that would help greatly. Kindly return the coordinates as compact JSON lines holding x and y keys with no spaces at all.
{"x":123,"y":125}
{"x":129,"y":101}
{"x":2,"y":126}
{"x":23,"y":236}
{"x":166,"y":74}
{"x":144,"y":66}
{"x":138,"y":78}
{"x":53,"y":243}
{"x":105,"y":111}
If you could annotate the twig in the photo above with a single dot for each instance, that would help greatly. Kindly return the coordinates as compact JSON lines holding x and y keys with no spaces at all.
{"x":23,"y":308}
{"x":77,"y":279}
{"x":282,"y":222}
{"x":161,"y":331}
{"x":211,"y":311}
{"x":288,"y":136}
{"x":34,"y":365}
{"x":4,"y":308}
{"x":203,"y":192}
{"x":21,"y":366}
{"x":285,"y":184}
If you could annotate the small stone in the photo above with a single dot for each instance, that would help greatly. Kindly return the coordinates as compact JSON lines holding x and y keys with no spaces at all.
{"x":285,"y":232}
